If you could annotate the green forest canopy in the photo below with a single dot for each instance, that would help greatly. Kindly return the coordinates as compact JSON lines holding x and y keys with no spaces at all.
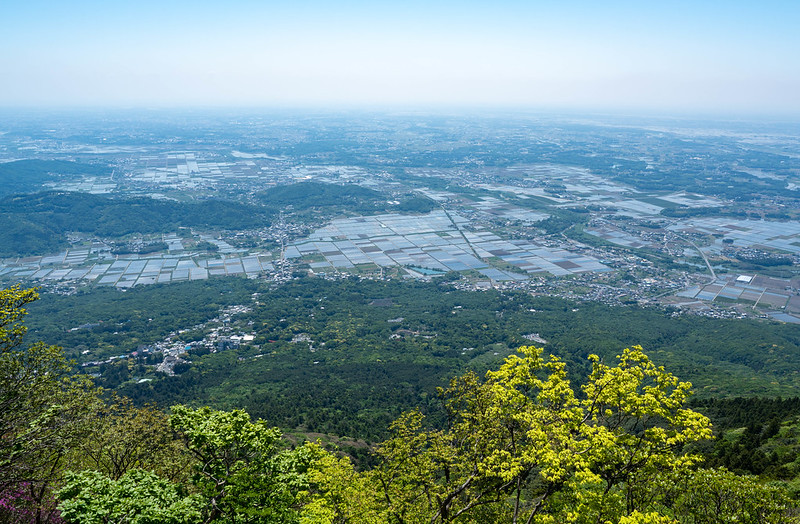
{"x":27,"y":176}
{"x":369,"y":369}
{"x":518,"y":444}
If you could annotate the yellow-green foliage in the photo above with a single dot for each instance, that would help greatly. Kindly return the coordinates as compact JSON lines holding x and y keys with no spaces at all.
{"x":522,"y":446}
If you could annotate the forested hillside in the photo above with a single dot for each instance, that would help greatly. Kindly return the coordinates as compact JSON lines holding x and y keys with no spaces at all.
{"x":348,"y":356}
{"x":519,"y":443}
{"x":28,"y":176}
{"x":39,"y":222}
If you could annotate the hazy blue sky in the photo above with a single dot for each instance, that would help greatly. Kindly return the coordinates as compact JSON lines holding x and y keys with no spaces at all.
{"x":711,"y":56}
